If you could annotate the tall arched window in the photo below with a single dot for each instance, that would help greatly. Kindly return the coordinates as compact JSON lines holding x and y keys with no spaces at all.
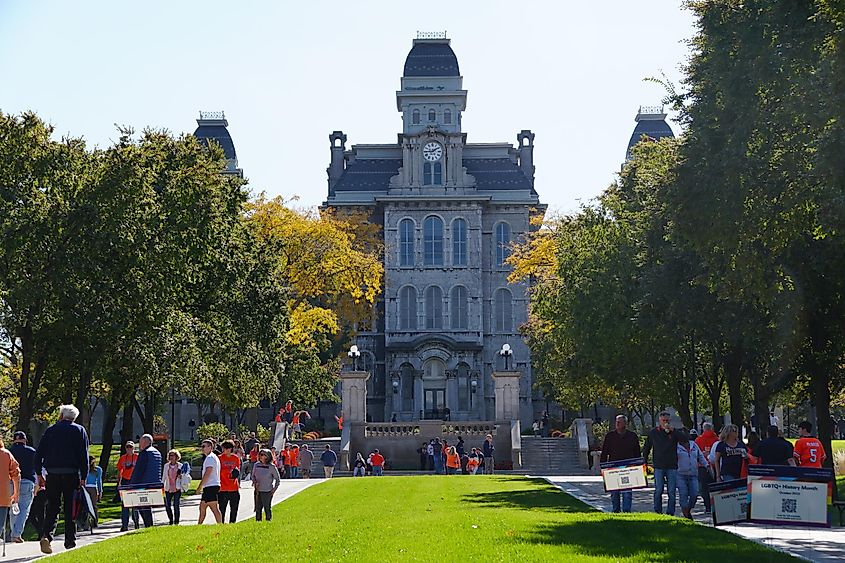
{"x":433,"y":241}
{"x":459,"y":308}
{"x":406,"y":242}
{"x":433,"y":307}
{"x":432,"y":174}
{"x":415,"y":117}
{"x":464,"y":389}
{"x":503,"y":243}
{"x":459,"y":242}
{"x":447,"y":116}
{"x":432,"y":116}
{"x":503,"y":311}
{"x":406,"y":382}
{"x":407,"y":308}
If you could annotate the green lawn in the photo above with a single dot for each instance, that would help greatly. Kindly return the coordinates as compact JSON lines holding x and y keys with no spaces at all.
{"x":430,"y":518}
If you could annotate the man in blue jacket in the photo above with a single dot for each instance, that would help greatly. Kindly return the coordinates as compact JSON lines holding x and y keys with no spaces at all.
{"x":63,"y":452}
{"x":147,"y":472}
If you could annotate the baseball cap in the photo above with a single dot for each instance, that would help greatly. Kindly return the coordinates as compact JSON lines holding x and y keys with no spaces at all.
{"x":20,"y":435}
{"x":129,"y":443}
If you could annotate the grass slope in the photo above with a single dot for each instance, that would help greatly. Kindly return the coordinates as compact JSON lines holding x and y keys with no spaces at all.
{"x":434,"y":518}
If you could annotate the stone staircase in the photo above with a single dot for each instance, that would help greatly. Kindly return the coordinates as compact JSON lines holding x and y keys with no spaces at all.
{"x":551,"y":456}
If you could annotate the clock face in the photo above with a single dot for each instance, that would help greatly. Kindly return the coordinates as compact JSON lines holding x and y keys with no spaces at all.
{"x":432,"y":151}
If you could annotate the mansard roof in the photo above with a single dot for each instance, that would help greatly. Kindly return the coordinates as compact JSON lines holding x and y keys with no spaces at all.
{"x":219,"y":133}
{"x":431,"y":58}
{"x":497,"y":174}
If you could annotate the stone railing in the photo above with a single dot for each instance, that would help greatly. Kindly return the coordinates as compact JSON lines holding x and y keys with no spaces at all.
{"x":469,"y":428}
{"x":391,"y":430}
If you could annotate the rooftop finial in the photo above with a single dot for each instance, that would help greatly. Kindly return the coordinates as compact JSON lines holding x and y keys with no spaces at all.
{"x":431,"y":34}
{"x":212,"y":115}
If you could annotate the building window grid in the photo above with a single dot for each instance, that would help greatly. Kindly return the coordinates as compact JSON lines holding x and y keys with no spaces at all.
{"x":406,"y":242}
{"x":447,"y":117}
{"x":433,"y":241}
{"x":459,"y":308}
{"x":503,"y":311}
{"x":432,"y":116}
{"x":503,"y":243}
{"x":408,"y":308}
{"x":433,"y":308}
{"x":459,"y":242}
{"x":432,"y":174}
{"x":415,"y":117}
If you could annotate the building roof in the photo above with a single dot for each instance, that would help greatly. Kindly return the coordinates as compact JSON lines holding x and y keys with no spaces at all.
{"x":497,"y":174}
{"x":651,"y":122}
{"x":431,"y":58}
{"x":218,"y":133}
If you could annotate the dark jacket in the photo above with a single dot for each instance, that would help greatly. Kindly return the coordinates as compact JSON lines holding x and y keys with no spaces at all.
{"x":147,"y":468}
{"x":487,"y":448}
{"x":665,"y":446}
{"x":25,"y":455}
{"x":63,"y":450}
{"x":329,"y":458}
{"x":620,"y":446}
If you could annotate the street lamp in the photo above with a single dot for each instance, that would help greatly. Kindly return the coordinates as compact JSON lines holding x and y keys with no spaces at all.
{"x":354,"y":354}
{"x":506,"y":352}
{"x":395,"y":386}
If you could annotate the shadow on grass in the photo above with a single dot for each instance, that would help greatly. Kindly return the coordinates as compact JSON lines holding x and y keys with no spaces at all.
{"x":658,"y":539}
{"x":542,"y":497}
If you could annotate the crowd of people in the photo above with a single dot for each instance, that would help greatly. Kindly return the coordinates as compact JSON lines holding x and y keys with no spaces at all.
{"x":685,"y":464}
{"x":439,"y":457}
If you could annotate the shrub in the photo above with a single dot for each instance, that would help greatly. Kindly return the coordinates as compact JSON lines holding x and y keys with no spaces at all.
{"x":262,"y":433}
{"x":211,"y":430}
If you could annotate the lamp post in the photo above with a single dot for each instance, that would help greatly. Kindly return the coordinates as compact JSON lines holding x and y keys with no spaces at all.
{"x":395,"y":385}
{"x":354,"y":354}
{"x":473,"y":387}
{"x":506,"y":352}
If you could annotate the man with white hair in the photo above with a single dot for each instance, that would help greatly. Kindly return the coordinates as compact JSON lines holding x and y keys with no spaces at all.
{"x":63,"y":452}
{"x":147,"y":472}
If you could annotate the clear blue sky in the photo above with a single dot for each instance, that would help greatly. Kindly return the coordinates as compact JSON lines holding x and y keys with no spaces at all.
{"x":287,"y":74}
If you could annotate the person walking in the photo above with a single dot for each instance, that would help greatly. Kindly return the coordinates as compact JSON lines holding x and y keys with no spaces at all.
{"x":430,"y":453}
{"x":171,"y":476}
{"x":487,"y":449}
{"x":210,"y":483}
{"x":731,"y":454}
{"x":229,"y":495}
{"x":360,"y":467}
{"x":705,"y":476}
{"x":437,"y":456}
{"x":294,"y":461}
{"x":378,"y":463}
{"x":663,"y":440}
{"x":809,"y":451}
{"x":10,"y":473}
{"x":423,"y":453}
{"x":306,"y":459}
{"x":265,"y":481}
{"x":25,"y":456}
{"x":147,"y":472}
{"x":775,"y":450}
{"x":690,"y":459}
{"x":329,"y":459}
{"x":94,"y":485}
{"x":620,"y":444}
{"x":125,"y":467}
{"x":63,"y":452}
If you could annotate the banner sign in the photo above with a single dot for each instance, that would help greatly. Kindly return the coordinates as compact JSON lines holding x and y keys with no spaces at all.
{"x":142,"y":497}
{"x":624,"y":475}
{"x":729,"y":501}
{"x":790,"y":495}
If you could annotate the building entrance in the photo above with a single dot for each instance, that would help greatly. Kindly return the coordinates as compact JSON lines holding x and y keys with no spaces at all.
{"x":435,"y":404}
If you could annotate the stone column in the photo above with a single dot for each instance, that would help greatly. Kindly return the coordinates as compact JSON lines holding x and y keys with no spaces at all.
{"x":507,"y":395}
{"x":452,"y":391}
{"x":396,"y":392}
{"x":418,"y":395}
{"x":354,"y":395}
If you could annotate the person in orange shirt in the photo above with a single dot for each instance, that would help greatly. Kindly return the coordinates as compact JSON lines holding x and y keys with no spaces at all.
{"x":230,"y":469}
{"x":453,"y":461}
{"x":285,"y":455}
{"x":125,"y":466}
{"x":472,"y":462}
{"x":294,"y":461}
{"x":378,"y":463}
{"x":808,"y":451}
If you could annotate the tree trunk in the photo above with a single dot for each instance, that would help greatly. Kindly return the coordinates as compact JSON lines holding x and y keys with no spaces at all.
{"x":683,"y":389}
{"x":820,"y":383}
{"x":733,"y":375}
{"x":82,"y":391}
{"x":761,"y":402}
{"x":25,"y":407}
{"x":109,"y":421}
{"x":127,"y":431}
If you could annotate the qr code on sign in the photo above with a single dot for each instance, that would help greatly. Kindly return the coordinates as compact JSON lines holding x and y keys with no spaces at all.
{"x":789,"y":505}
{"x":743,"y":507}
{"x":142,"y":499}
{"x":625,"y":480}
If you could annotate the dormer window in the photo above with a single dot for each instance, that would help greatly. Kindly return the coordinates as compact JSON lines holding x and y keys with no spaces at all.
{"x":432,"y":116}
{"x":415,"y":117}
{"x":432,"y":174}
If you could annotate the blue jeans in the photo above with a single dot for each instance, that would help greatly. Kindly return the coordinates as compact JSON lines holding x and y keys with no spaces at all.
{"x":18,"y":522}
{"x":626,"y":497}
{"x":665,"y":477}
{"x":687,"y":490}
{"x":377,"y":470}
{"x":438,"y":465}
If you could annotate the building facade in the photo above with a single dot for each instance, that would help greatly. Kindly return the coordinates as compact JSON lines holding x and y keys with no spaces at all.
{"x":450,"y":212}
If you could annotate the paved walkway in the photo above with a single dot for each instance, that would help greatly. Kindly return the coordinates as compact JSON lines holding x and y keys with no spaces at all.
{"x":189,"y":514}
{"x":812,"y":544}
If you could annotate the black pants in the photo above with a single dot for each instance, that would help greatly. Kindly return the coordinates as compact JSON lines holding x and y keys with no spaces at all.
{"x":146,"y":516}
{"x":172,"y":499}
{"x":60,"y":488}
{"x":704,"y":480}
{"x":226,"y":498}
{"x":262,"y":503}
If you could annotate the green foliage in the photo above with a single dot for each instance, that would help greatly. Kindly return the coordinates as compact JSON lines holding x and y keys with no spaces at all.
{"x":212,"y":430}
{"x":262,"y":433}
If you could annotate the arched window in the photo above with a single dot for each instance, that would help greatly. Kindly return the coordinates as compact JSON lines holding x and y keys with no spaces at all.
{"x":463,"y":387}
{"x":503,"y":243}
{"x":407,"y":308}
{"x":415,"y":117}
{"x":503,"y":311}
{"x":432,"y":174}
{"x":433,"y":241}
{"x":447,"y":116}
{"x":459,"y":242}
{"x":459,"y":308}
{"x":406,"y":242}
{"x":433,"y":307}
{"x":432,"y":116}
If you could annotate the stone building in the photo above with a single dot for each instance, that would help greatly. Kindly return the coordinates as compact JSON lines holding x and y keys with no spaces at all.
{"x":450,"y":211}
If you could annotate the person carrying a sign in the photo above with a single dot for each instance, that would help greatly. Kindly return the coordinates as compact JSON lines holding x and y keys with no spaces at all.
{"x":775,"y":450}
{"x":620,"y":444}
{"x":809,"y":451}
{"x":147,"y":472}
{"x":664,"y":441}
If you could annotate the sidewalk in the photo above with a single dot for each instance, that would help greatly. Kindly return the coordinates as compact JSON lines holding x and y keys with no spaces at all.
{"x":189,"y":514}
{"x":812,"y":544}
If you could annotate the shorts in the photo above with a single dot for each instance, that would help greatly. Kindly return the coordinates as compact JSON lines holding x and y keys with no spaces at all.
{"x":209,"y":494}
